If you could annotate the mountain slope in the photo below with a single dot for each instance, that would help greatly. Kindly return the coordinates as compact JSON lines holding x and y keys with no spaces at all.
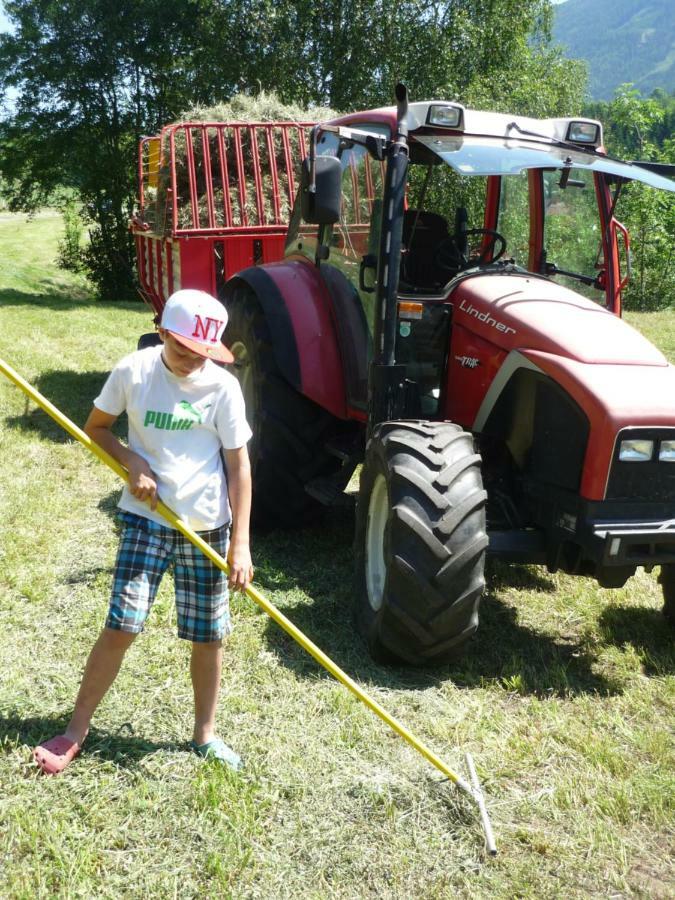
{"x":622,"y":40}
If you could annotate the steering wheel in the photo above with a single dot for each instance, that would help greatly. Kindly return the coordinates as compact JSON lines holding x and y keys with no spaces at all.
{"x":448,"y":255}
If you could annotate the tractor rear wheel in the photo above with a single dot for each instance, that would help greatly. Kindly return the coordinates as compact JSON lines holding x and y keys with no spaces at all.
{"x":667,"y":581}
{"x":288,"y":447}
{"x":420,"y":542}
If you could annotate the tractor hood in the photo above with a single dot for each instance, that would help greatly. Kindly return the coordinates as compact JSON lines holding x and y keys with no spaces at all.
{"x":617,"y":378}
{"x":521,"y":312}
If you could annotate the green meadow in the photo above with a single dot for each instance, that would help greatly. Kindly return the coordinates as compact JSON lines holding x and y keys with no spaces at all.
{"x":565,"y":698}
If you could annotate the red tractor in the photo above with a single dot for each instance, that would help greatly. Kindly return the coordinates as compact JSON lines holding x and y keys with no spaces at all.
{"x":447,"y":313}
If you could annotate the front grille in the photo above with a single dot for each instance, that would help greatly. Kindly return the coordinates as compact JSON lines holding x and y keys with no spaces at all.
{"x":560,"y":436}
{"x":649,"y":481}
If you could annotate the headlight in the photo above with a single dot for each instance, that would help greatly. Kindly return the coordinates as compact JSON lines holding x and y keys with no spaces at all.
{"x":446,"y":115}
{"x":667,"y":451}
{"x":584,"y":133}
{"x":638,"y":450}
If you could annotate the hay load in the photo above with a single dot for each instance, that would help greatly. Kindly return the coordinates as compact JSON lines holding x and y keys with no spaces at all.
{"x":263,"y":107}
{"x":200,"y":174}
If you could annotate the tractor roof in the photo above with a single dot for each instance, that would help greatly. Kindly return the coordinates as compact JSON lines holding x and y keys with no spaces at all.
{"x":451,"y":116}
{"x":475,"y":142}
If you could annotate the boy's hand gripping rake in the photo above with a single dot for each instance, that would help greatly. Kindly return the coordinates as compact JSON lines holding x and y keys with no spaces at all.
{"x":473,"y":790}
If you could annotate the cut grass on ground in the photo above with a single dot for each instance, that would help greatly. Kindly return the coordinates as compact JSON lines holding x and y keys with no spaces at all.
{"x":565,"y":698}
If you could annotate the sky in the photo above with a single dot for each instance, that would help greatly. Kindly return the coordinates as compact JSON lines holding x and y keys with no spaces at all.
{"x":4,"y":21}
{"x":6,"y":100}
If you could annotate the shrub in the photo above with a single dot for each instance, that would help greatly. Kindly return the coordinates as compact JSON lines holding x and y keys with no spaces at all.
{"x":69,"y":255}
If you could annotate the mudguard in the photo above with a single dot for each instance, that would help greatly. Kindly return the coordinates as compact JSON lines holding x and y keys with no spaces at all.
{"x":297,"y":306}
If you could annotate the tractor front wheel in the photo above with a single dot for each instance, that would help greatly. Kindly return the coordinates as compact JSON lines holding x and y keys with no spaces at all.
{"x":667,"y":581}
{"x":420,"y":542}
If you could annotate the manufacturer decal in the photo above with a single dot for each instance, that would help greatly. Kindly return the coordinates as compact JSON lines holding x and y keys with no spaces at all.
{"x":471,"y":310}
{"x":468,"y":362}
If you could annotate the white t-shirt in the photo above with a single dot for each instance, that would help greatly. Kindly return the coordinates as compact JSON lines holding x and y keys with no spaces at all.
{"x":179,"y":425}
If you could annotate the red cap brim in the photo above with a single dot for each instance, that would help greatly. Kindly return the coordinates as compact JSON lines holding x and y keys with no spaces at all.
{"x":217,"y":352}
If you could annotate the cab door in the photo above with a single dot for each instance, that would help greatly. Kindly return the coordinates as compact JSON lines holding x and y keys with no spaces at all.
{"x":555,"y":222}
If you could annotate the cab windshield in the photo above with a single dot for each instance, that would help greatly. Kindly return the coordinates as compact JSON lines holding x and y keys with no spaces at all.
{"x":497,"y":156}
{"x":550,"y":197}
{"x":571,"y":247}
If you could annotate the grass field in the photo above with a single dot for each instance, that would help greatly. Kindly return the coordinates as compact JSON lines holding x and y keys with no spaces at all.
{"x":565,"y":699}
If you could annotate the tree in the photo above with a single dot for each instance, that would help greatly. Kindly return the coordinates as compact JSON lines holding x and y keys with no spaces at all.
{"x":637,"y":129}
{"x":350,"y":53}
{"x":92,"y":76}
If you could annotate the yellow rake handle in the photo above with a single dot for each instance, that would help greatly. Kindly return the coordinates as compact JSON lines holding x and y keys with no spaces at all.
{"x":254,"y":594}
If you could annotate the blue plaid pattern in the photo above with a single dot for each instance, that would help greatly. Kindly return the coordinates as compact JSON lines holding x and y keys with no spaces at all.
{"x":146,"y":551}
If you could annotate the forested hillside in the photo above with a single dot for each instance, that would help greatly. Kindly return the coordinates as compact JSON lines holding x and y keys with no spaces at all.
{"x":621,"y":40}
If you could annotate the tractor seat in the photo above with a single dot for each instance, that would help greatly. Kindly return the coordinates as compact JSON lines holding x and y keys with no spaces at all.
{"x":422,"y":233}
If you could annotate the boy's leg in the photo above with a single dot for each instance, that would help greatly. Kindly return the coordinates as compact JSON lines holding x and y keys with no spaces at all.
{"x":142,"y":558}
{"x":205,"y":668}
{"x":202,"y":605}
{"x":100,"y":671}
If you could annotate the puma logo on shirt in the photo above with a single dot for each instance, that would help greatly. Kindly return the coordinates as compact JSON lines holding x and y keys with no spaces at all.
{"x":173,"y":422}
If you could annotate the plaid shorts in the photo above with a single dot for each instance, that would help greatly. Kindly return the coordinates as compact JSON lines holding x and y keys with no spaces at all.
{"x":146,"y":551}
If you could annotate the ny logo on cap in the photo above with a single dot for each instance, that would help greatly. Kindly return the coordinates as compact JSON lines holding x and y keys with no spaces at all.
{"x":203,"y":328}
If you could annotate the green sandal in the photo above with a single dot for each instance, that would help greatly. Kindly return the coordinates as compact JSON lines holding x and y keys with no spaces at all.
{"x":217,"y":749}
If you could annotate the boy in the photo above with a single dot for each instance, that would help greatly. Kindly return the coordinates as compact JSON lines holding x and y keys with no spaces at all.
{"x":183,"y":410}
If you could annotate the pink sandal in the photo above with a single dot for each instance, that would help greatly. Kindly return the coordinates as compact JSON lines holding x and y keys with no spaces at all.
{"x":54,"y":755}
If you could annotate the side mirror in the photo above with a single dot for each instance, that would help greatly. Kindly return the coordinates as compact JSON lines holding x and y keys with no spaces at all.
{"x":321,"y":206}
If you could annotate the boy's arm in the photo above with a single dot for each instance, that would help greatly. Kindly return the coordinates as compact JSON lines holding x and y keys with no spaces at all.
{"x":142,"y":481}
{"x":239,"y":490}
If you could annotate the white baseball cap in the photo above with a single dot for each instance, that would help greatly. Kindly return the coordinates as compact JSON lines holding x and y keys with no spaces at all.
{"x":197,"y":320}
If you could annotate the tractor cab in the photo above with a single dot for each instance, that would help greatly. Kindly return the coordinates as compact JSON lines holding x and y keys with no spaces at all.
{"x":486,"y":194}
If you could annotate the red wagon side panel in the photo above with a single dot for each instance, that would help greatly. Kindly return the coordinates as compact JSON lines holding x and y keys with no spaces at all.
{"x":196,"y":265}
